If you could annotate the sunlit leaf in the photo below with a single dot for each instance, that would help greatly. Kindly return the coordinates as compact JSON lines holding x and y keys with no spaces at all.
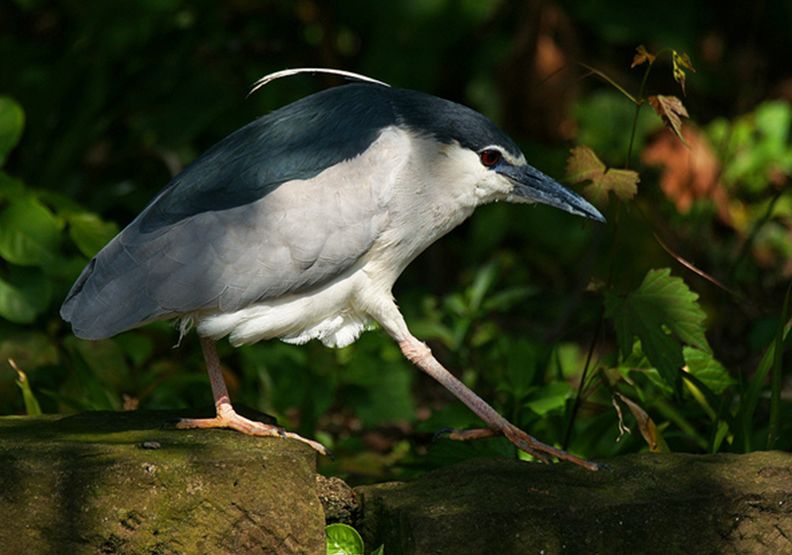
{"x":641,"y":56}
{"x":552,"y":396}
{"x":670,"y":109}
{"x":584,"y":165}
{"x":29,"y":233}
{"x":707,"y":369}
{"x":342,"y":539}
{"x":12,"y":122}
{"x":663,"y":314}
{"x":681,"y":62}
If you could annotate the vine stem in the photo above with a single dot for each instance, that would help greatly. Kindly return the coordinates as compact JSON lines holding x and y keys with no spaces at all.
{"x":639,"y":102}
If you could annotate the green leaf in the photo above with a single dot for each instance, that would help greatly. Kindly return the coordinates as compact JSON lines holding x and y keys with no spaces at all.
{"x":12,"y":122}
{"x":89,"y":232}
{"x":32,"y":407}
{"x":707,"y":369}
{"x":24,"y":294}
{"x":29,"y":233}
{"x":551,"y":397}
{"x":342,"y":539}
{"x":662,"y":313}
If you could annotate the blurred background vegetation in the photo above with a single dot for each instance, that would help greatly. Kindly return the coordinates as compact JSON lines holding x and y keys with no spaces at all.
{"x":102,"y":102}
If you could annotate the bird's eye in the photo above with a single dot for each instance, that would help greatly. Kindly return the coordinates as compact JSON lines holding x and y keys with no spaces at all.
{"x":489,"y":157}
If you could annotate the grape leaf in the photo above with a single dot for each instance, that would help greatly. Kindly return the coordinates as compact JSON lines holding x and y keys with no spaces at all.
{"x":681,"y":63}
{"x":707,"y":369}
{"x":670,"y":108}
{"x":584,"y":165}
{"x":641,"y":56}
{"x":663,"y":314}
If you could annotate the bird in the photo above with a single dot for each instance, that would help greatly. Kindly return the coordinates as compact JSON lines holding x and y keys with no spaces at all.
{"x":297,"y":225}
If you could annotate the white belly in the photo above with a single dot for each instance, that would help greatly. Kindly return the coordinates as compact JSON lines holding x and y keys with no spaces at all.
{"x":329,"y":314}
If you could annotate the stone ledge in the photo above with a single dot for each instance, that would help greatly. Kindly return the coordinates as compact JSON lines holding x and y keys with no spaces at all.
{"x":120,"y":483}
{"x":639,"y":504}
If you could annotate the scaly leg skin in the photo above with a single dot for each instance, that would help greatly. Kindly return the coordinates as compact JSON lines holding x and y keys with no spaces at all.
{"x":227,"y":417}
{"x":420,"y":355}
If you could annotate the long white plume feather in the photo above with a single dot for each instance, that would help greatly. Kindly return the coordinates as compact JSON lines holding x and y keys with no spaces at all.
{"x":289,"y":72}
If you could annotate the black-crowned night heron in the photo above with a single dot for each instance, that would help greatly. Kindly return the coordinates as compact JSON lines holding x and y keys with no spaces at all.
{"x":297,"y":225}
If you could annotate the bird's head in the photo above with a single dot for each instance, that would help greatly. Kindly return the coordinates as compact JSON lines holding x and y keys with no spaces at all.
{"x":475,"y":147}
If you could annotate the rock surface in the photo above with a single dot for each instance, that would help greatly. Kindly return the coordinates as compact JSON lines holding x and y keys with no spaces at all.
{"x":638,"y":504}
{"x":119,"y":483}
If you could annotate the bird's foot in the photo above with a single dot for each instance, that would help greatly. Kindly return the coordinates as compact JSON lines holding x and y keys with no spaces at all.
{"x":228,"y":418}
{"x":523,"y":442}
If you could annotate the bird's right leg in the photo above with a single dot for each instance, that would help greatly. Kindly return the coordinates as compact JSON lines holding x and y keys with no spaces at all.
{"x":419,"y":354}
{"x":226,"y":416}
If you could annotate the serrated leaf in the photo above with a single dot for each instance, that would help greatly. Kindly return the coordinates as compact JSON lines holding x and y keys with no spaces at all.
{"x":24,"y":294}
{"x":90,"y":233}
{"x":663,"y":314}
{"x":708,"y":370}
{"x":584,"y":165}
{"x":342,"y":539}
{"x":670,"y":109}
{"x":641,"y":56}
{"x":29,"y":233}
{"x":12,"y":122}
{"x":681,"y":62}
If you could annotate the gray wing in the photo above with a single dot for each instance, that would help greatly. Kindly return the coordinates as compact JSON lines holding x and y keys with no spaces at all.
{"x":238,"y":227}
{"x":288,"y":242}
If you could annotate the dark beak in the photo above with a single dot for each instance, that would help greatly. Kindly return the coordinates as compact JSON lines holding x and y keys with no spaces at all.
{"x":531,"y":185}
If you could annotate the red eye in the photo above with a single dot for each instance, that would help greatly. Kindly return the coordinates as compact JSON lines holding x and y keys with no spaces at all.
{"x":490,"y":157}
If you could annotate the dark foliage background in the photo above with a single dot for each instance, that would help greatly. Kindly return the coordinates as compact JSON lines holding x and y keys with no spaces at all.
{"x":112,"y":98}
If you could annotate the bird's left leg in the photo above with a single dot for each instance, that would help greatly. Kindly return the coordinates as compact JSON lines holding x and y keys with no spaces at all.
{"x":419,"y":354}
{"x":227,"y":417}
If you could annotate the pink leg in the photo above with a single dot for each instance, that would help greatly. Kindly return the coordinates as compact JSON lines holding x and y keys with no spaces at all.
{"x":420,"y":355}
{"x":226,"y":415}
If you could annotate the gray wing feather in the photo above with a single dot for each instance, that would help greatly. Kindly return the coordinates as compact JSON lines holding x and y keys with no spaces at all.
{"x":225,"y":260}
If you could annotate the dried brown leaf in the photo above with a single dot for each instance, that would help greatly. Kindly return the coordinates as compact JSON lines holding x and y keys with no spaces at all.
{"x":641,"y":56}
{"x":645,"y":424}
{"x":670,"y":108}
{"x":584,"y":165}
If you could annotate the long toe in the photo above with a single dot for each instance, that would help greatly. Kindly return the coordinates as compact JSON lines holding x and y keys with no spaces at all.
{"x":234,"y":421}
{"x":542,"y":451}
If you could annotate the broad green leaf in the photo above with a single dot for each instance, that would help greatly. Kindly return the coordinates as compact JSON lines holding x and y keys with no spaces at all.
{"x":24,"y":294}
{"x":552,"y":396}
{"x":707,"y":369}
{"x":90,"y":233}
{"x":12,"y":122}
{"x":342,"y":539}
{"x":29,"y":233}
{"x":662,"y":313}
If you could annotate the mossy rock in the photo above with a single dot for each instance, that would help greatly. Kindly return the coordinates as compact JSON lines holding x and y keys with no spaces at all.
{"x":645,"y":503}
{"x":127,"y":483}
